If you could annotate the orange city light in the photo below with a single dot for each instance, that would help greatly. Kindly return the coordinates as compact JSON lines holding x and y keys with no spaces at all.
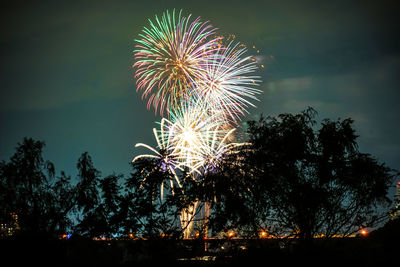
{"x":263,"y":234}
{"x":363,"y":232}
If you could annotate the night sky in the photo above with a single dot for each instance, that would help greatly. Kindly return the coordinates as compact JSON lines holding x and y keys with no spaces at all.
{"x":66,"y":74}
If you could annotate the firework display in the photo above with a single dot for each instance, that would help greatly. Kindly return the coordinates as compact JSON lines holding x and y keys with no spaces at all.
{"x":226,"y":88}
{"x":170,"y":57}
{"x":204,"y":87}
{"x":166,"y":157}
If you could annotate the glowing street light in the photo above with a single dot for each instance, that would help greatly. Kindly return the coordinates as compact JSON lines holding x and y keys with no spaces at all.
{"x":363,"y":232}
{"x":263,"y":234}
{"x":231,"y":234}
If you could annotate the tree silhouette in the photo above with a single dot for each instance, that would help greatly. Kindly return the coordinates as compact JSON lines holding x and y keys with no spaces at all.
{"x":294,"y":177}
{"x":87,"y":188}
{"x":32,"y":192}
{"x":149,"y":215}
{"x":104,"y":218}
{"x":235,"y":197}
{"x":308,"y":182}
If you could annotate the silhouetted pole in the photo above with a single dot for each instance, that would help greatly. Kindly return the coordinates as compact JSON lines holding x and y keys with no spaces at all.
{"x":206,"y":216}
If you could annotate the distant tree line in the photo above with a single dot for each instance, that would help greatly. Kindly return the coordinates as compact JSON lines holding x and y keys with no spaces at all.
{"x":294,"y":178}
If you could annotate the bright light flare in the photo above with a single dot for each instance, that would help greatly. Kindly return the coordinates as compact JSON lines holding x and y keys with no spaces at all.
{"x":263,"y":234}
{"x":231,"y":234}
{"x":186,"y":130}
{"x":364,"y":232}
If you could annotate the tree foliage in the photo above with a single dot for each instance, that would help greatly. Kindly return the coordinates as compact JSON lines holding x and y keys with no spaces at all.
{"x":308,"y":181}
{"x":29,"y":188}
{"x":295,"y":177}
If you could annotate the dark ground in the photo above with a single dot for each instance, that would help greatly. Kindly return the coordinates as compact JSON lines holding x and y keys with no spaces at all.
{"x":379,"y":248}
{"x":344,"y":252}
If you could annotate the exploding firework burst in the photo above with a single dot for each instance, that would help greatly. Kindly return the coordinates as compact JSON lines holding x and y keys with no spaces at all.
{"x":171,"y":54}
{"x":226,"y":86}
{"x":212,"y":152}
{"x":189,"y":126}
{"x":204,"y":85}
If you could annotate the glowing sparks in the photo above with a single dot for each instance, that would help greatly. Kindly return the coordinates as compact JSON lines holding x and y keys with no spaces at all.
{"x":226,"y":87}
{"x":165,"y":156}
{"x":211,"y":153}
{"x":183,"y":68}
{"x":170,"y":55}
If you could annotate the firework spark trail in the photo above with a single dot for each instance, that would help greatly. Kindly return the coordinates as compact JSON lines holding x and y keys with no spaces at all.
{"x":188,"y":128}
{"x":212,"y":152}
{"x":170,"y":56}
{"x":225,"y":84}
{"x":165,"y":155}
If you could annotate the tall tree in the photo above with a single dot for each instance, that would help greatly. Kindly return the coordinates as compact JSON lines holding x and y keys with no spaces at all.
{"x":104,"y":219}
{"x":32,"y":192}
{"x":149,"y":214}
{"x":303,"y":181}
{"x":317,"y":181}
{"x":87,"y":198}
{"x":88,"y":180}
